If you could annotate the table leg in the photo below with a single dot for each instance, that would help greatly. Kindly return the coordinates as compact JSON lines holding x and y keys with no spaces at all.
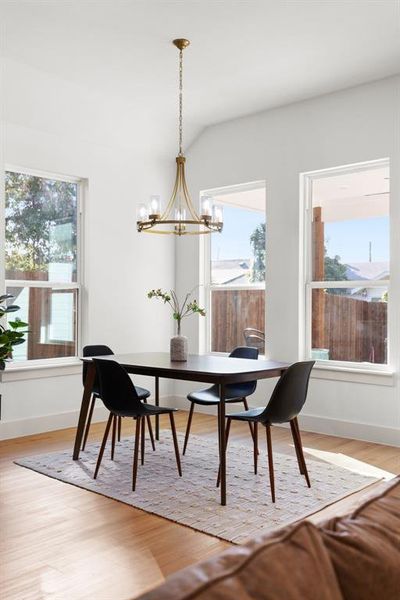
{"x":157,"y":399}
{"x":87,"y":392}
{"x":221,"y":437}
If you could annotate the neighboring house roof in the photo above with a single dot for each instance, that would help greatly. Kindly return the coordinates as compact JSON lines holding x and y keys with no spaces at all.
{"x":368,"y":270}
{"x":231,"y":271}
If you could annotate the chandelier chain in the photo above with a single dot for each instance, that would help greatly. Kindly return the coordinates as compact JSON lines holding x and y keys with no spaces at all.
{"x":180,"y":102}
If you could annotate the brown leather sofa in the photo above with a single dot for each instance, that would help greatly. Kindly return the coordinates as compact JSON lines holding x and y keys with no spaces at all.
{"x":353,"y":557}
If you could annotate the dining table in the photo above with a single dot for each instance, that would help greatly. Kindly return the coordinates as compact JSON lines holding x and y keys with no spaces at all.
{"x":220,"y":370}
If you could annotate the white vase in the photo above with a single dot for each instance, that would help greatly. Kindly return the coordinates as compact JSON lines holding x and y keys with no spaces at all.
{"x":179,"y":348}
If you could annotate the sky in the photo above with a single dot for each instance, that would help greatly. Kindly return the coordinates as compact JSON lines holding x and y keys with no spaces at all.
{"x":234,"y":241}
{"x":350,"y":239}
{"x":347,"y":239}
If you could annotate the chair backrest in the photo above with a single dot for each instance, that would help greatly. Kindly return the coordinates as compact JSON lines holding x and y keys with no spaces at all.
{"x":290,"y":393}
{"x":94,"y":350}
{"x":244,"y":352}
{"x":254,"y":338}
{"x":248,"y":388}
{"x":116,"y":388}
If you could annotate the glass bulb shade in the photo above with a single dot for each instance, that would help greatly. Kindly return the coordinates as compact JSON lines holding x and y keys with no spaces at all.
{"x":142,"y":213}
{"x":218,"y":213}
{"x":206,"y":206}
{"x":154,"y":206}
{"x":180,"y":214}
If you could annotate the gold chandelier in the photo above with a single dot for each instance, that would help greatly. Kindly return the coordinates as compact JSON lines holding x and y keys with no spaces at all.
{"x":180,"y":216}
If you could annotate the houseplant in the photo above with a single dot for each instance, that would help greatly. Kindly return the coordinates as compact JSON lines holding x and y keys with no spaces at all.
{"x":179,"y":346}
{"x":12,"y":333}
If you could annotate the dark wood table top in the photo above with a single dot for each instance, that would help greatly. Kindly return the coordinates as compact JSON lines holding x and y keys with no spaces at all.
{"x":199,"y":367}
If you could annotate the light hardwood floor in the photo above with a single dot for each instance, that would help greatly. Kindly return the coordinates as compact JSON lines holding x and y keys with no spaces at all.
{"x":59,"y":542}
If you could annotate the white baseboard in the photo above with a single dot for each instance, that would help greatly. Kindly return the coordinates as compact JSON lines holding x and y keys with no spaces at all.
{"x":336,"y":427}
{"x":366,"y":432}
{"x":348,"y":429}
{"x":44,"y":423}
{"x":55,"y":421}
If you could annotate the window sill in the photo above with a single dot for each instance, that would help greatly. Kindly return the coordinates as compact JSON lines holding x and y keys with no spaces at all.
{"x":16,"y":372}
{"x":353,"y":374}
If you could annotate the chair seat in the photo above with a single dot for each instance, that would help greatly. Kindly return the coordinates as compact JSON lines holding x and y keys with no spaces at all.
{"x":141,"y":392}
{"x":210,"y":396}
{"x":249,"y":415}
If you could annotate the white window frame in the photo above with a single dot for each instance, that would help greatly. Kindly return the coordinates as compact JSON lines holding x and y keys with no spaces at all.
{"x":306,"y":180}
{"x":205,"y":267}
{"x":39,"y":364}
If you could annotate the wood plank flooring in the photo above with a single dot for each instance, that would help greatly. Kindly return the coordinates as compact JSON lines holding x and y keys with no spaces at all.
{"x":59,"y":542}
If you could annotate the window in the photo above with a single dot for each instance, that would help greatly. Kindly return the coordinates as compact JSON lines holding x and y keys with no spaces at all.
{"x":235,"y":270}
{"x":42,"y":261}
{"x":347,"y":282}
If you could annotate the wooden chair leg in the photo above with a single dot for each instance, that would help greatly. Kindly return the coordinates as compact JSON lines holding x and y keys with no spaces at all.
{"x":270,"y":461}
{"x":227,"y":430}
{"x":255,"y":447}
{"x":103,"y":445}
{"x":296,"y":447}
{"x":296,"y":429}
{"x":246,"y":406}
{"x":136,"y":453}
{"x":189,"y":424}
{"x":114,"y":431}
{"x":88,"y":422}
{"x":143,"y":439}
{"x":178,"y":459}
{"x":150,"y":428}
{"x":119,"y":428}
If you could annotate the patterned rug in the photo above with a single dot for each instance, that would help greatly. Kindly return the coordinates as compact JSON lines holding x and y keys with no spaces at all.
{"x":193,"y":500}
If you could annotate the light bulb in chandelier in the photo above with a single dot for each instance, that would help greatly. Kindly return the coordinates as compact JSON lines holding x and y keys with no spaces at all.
{"x":154,"y":207}
{"x":206,"y":208}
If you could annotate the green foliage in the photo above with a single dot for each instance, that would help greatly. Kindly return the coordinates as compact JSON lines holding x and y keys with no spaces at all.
{"x":334,"y":270}
{"x":13,"y":336}
{"x":35,"y":207}
{"x":257,"y":242}
{"x":179,"y":310}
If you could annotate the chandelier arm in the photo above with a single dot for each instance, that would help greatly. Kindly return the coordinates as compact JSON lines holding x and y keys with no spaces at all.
{"x":171,"y":201}
{"x":189,"y":202}
{"x":186,"y":195}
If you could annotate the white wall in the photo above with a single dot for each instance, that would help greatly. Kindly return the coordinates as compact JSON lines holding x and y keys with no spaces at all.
{"x":119,"y":264}
{"x":354,"y":125}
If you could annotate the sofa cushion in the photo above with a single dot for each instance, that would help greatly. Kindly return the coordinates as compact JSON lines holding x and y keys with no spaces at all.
{"x":365,"y":547}
{"x":289,"y":565}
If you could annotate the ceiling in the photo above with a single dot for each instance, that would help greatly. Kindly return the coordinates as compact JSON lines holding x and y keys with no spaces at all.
{"x":359,"y":194}
{"x":108,"y":68}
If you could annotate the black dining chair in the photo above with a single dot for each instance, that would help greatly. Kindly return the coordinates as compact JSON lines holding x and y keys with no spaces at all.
{"x":234,"y":392}
{"x":120,"y":397}
{"x":102,"y":350}
{"x":285,"y":404}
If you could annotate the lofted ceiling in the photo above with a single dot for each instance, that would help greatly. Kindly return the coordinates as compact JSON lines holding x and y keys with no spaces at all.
{"x":106,"y":72}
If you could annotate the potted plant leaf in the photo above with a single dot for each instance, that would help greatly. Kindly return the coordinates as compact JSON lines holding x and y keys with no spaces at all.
{"x":12,"y":333}
{"x":179,"y":344}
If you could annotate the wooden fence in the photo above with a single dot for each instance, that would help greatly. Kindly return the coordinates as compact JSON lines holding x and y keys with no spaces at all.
{"x":351,"y":329}
{"x":39,"y":316}
{"x":232,"y":312}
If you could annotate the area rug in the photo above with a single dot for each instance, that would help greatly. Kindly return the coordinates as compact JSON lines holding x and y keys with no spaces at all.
{"x":193,"y":500}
